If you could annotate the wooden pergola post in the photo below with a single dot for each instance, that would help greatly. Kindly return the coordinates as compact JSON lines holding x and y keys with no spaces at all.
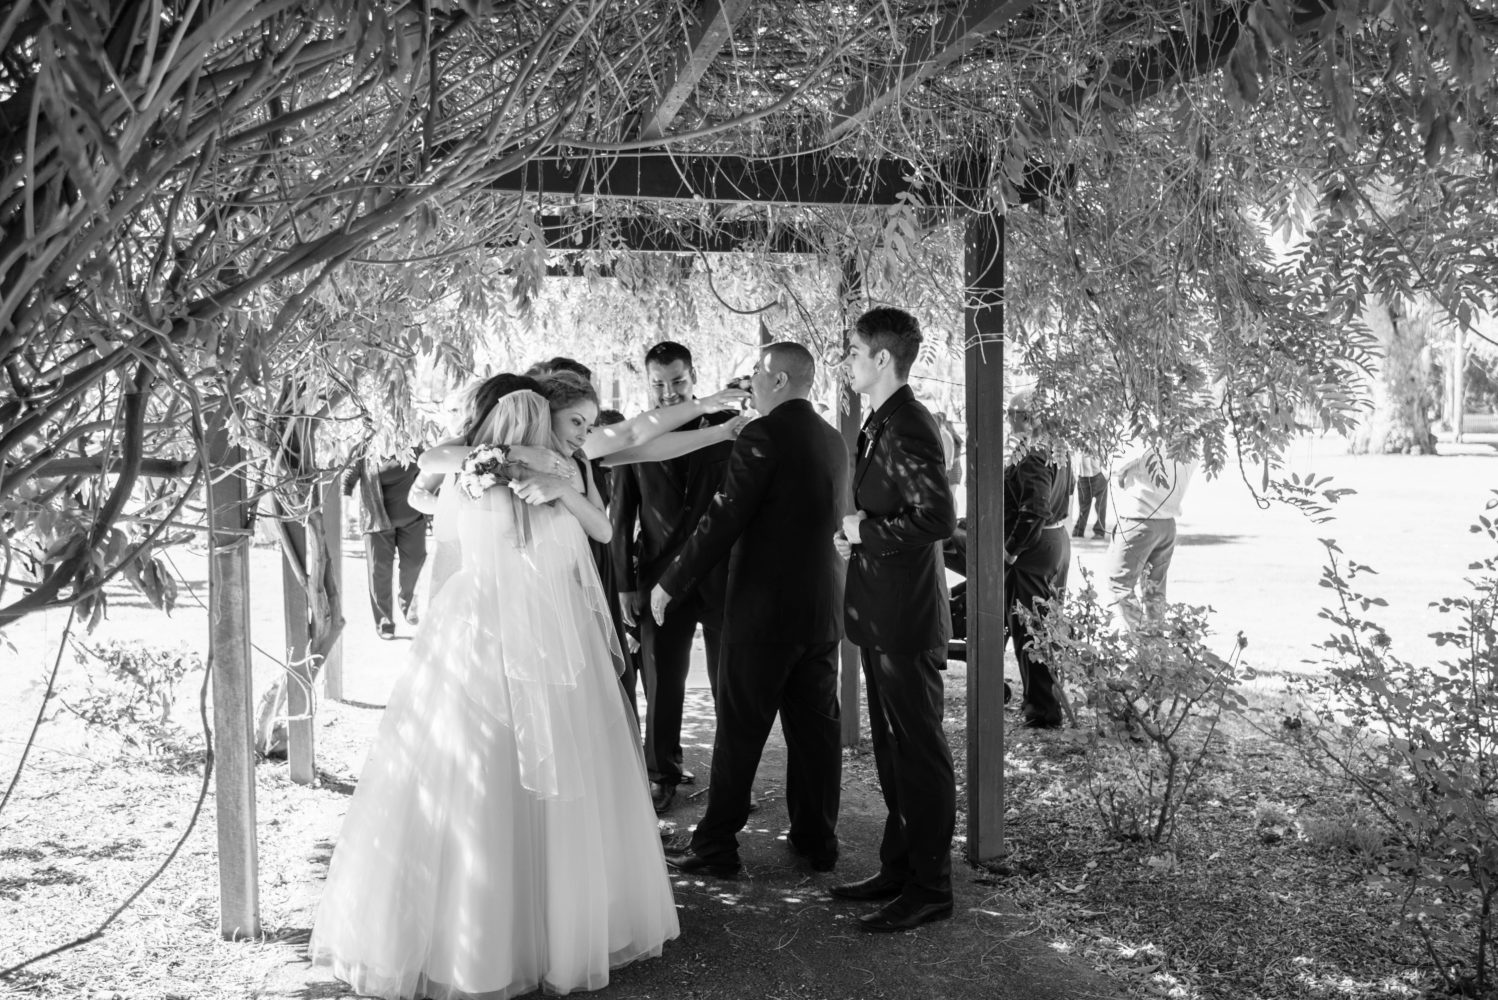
{"x":300,"y":732}
{"x":849,"y":420}
{"x":332,"y":525}
{"x":983,"y":327}
{"x":233,"y":708}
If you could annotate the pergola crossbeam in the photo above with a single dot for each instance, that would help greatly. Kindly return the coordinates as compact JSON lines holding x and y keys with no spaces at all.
{"x":951,"y":38}
{"x":642,"y":234}
{"x":707,"y":37}
{"x":804,"y":180}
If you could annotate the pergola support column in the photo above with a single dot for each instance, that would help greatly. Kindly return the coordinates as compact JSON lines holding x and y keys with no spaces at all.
{"x":233,"y":710}
{"x":301,"y":753}
{"x":849,"y":420}
{"x":332,"y":523}
{"x":983,"y":325}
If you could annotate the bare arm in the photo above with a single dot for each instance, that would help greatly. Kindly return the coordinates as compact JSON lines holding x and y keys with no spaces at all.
{"x":444,"y":458}
{"x":423,"y":493}
{"x":677,"y":443}
{"x":543,"y":489}
{"x":635,"y":431}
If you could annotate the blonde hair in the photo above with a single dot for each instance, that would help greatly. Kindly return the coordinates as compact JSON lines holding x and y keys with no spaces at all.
{"x":521,"y":417}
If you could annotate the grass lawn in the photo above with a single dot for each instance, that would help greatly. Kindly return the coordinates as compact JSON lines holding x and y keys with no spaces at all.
{"x":1243,"y":904}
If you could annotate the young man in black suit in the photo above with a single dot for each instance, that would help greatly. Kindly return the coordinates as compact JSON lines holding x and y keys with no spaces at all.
{"x":654,"y":507}
{"x":774,"y":520}
{"x":898,"y":614}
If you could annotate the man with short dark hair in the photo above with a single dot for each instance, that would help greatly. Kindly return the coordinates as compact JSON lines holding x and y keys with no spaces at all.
{"x":654,"y":508}
{"x":898,"y":615}
{"x":773,"y":523}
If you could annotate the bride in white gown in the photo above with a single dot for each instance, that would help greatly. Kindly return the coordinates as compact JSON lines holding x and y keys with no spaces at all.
{"x":501,"y":837}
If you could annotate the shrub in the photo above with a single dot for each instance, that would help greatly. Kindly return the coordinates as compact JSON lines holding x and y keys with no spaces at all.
{"x":1419,"y":744}
{"x":1156,"y":693}
{"x":131,"y":688}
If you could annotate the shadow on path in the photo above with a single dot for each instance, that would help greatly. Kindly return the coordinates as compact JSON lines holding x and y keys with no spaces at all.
{"x":777,"y":932}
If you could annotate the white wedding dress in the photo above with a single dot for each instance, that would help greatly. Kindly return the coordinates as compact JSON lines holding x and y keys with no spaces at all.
{"x":501,"y":838}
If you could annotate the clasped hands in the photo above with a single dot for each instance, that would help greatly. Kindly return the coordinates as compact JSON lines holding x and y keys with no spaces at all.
{"x":850,"y":535}
{"x":548,"y":478}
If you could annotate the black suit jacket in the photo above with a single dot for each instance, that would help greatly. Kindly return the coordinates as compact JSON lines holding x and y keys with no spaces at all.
{"x":665,"y":500}
{"x":897,"y":586}
{"x":784,"y":497}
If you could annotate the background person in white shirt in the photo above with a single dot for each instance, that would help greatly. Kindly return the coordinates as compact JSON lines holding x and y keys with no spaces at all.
{"x":1148,"y":486}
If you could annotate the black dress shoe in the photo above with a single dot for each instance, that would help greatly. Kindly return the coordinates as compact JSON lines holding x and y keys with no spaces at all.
{"x":688,"y":778}
{"x":695,"y":864}
{"x":878,"y":886}
{"x":904,"y":915}
{"x":661,"y":796}
{"x":1039,"y":722}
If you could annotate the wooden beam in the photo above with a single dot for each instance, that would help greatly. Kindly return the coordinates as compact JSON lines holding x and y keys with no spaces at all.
{"x":849,"y":419}
{"x":92,"y":465}
{"x":804,"y":179}
{"x":648,"y":234}
{"x":332,"y":526}
{"x":929,"y":51}
{"x":300,"y":733}
{"x":707,"y":37}
{"x":229,"y":659}
{"x":1179,"y":57}
{"x":983,"y":323}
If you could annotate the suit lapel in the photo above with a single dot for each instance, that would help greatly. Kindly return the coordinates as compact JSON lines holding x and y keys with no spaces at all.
{"x":868,"y":442}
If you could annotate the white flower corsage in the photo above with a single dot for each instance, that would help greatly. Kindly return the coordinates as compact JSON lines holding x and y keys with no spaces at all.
{"x":483,"y":469}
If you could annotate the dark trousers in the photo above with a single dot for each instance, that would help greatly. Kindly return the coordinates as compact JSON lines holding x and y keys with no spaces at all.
{"x":915,"y":769}
{"x":1091,"y":490}
{"x":665,"y":659}
{"x":755,"y":681}
{"x":380,"y":549}
{"x":1038,"y":574}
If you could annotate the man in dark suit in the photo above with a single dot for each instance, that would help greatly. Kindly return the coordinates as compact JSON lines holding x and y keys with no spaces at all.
{"x":897,"y":613}
{"x":654,"y":508}
{"x":787,"y":486}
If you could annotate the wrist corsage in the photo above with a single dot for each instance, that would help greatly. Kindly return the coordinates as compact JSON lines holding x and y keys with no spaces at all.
{"x":483,"y":469}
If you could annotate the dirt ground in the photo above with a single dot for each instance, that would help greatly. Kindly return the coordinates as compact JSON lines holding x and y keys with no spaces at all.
{"x":90,"y":820}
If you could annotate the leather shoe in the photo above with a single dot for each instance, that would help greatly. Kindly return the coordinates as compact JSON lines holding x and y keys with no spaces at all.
{"x":661,"y":796}
{"x":695,"y":864}
{"x":879,"y":886}
{"x":903,"y":915}
{"x":688,"y":778}
{"x":1039,"y":722}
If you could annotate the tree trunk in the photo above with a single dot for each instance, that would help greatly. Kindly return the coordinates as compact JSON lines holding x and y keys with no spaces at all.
{"x":1399,"y":423}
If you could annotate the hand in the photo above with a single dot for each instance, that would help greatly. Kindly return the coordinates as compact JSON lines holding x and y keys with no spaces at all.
{"x":733,"y":427}
{"x":540,"y":489}
{"x":631,"y":603}
{"x":539,"y":459}
{"x":724,"y":399}
{"x":843,"y":546}
{"x":659,"y":599}
{"x":852,"y":527}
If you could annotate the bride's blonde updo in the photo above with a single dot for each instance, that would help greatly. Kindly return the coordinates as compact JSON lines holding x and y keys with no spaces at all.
{"x":521,"y":417}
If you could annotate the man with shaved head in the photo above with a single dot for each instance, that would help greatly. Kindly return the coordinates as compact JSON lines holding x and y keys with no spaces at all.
{"x":782,"y":502}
